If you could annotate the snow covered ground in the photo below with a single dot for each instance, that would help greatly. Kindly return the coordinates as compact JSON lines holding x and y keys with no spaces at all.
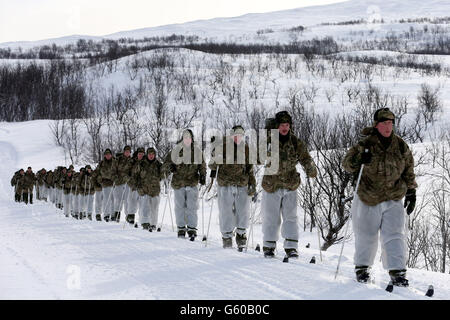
{"x":45,"y":255}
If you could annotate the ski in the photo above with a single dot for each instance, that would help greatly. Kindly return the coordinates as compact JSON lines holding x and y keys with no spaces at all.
{"x":429,"y":293}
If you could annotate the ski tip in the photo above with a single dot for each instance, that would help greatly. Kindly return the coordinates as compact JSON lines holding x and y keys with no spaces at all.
{"x":430,"y":291}
{"x":390,"y":287}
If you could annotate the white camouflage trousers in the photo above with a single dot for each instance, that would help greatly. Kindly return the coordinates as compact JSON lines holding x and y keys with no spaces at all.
{"x":280,"y":209}
{"x":108,"y":201}
{"x":386,"y":219}
{"x":186,"y":205}
{"x":121,"y":197}
{"x":98,"y":198}
{"x":234,"y":204}
{"x":132,"y":202}
{"x":148,"y":209}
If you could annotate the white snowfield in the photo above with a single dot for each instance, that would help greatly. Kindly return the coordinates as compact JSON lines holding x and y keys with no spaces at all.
{"x":44,"y":255}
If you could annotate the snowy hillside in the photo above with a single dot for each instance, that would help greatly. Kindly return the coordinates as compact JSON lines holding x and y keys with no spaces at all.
{"x":244,"y":27}
{"x":47,"y":256}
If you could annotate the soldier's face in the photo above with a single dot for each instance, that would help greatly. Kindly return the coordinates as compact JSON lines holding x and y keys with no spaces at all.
{"x":127,"y":153}
{"x":385,"y":128}
{"x":237,"y":138}
{"x":108,"y":156}
{"x":284,"y":128}
{"x":187,"y":140}
{"x":151,"y":156}
{"x":140,"y":155}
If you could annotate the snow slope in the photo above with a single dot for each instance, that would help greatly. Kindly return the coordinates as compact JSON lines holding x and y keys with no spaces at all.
{"x":47,"y":256}
{"x":245,"y":26}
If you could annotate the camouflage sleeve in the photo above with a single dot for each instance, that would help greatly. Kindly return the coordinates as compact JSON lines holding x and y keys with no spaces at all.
{"x":408,"y":174}
{"x":352,"y":159}
{"x":251,"y":174}
{"x":13,"y":181}
{"x":306,"y":160}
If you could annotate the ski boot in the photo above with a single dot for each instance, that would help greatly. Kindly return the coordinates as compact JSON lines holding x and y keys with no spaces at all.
{"x":192,"y":234}
{"x":268,"y":252}
{"x":106,"y":218}
{"x":117,"y":217}
{"x":130,"y":218}
{"x":146,"y":226}
{"x":90,"y":216}
{"x":362,"y":274}
{"x":98,"y":217}
{"x":291,"y":253}
{"x":181,"y":233}
{"x":152,"y":228}
{"x":241,"y":241}
{"x":398,"y":278}
{"x":114,"y":216}
{"x":227,"y":242}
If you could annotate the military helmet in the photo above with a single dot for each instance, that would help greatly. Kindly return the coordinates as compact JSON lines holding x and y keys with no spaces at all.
{"x":151,"y":150}
{"x":107,"y":151}
{"x":127,"y":148}
{"x":140,"y":150}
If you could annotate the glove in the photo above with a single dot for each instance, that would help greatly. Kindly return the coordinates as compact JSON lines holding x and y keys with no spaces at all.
{"x":202,"y":180}
{"x":366,"y":157}
{"x":410,"y":201}
{"x":251,"y":190}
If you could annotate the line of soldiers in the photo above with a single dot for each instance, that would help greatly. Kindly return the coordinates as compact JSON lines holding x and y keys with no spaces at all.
{"x":128,"y":183}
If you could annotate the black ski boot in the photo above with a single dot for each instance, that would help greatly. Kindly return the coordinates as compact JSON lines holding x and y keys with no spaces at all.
{"x":291,"y":253}
{"x":181,"y":233}
{"x":152,"y":228}
{"x":114,"y":216}
{"x":90,"y":216}
{"x":227,"y":242}
{"x":146,"y":226}
{"x":268,"y":252}
{"x":106,"y":218}
{"x":130,"y":218}
{"x":241,"y":241}
{"x":192,"y":234}
{"x":398,"y":278}
{"x":98,"y":217}
{"x":118,"y":217}
{"x":362,"y":274}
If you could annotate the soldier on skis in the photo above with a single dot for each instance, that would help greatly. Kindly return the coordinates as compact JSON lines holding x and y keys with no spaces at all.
{"x":279,"y":196}
{"x":189,"y":170}
{"x":388,"y":177}
{"x":236,"y":184}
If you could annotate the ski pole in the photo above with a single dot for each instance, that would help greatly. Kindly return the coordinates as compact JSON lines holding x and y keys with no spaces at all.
{"x":252,"y":221}
{"x":210,"y":211}
{"x":318,"y":238}
{"x":203,"y":218}
{"x":170,"y":209}
{"x":164,"y":213}
{"x":346,"y":227}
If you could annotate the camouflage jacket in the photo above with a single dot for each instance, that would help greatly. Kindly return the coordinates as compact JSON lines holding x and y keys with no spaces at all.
{"x":94,"y":181}
{"x":135,"y":169}
{"x":58,"y":178}
{"x":15,"y":179}
{"x":390,"y":172}
{"x":290,"y":153}
{"x":186,"y":174}
{"x":148,"y":175}
{"x":107,"y":172}
{"x":68,"y":183}
{"x":29,"y":180}
{"x":124,"y":165}
{"x":49,"y":179}
{"x":40,"y":178}
{"x":234,"y":174}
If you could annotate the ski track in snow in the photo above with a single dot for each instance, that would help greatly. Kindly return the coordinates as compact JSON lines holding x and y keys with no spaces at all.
{"x":40,"y":247}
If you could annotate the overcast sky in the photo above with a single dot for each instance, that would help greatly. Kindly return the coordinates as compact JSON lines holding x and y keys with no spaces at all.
{"x":42,"y":19}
